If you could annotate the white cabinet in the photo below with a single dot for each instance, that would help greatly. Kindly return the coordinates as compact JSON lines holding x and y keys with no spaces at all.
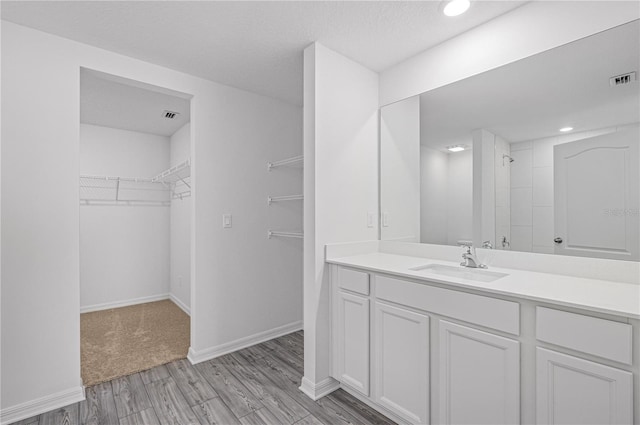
{"x":402,"y":362}
{"x":576,"y":391}
{"x":352,"y":327}
{"x":479,"y":376}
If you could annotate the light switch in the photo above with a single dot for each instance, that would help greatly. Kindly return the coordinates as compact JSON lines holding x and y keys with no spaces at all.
{"x":371,"y":218}
{"x":385,"y":219}
{"x":226,"y":221}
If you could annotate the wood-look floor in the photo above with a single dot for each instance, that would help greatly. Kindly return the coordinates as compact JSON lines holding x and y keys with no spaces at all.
{"x":254,"y":386}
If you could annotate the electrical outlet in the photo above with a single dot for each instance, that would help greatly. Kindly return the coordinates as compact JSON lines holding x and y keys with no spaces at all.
{"x":226,"y":221}
{"x":385,"y":219}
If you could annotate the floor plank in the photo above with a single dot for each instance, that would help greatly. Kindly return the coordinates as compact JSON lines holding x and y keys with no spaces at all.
{"x":309,"y":420}
{"x":259,"y":417}
{"x":194,"y":387}
{"x":169,"y":404}
{"x":68,"y":415}
{"x":143,"y":417}
{"x":357,"y":409}
{"x":234,"y":394}
{"x":99,"y":407}
{"x":276,"y":400}
{"x":158,"y":373}
{"x":289,"y":358}
{"x":288,"y":379}
{"x":215,"y":412}
{"x":130,"y":395}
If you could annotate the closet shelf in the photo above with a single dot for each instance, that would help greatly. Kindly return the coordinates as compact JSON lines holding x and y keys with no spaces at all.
{"x":275,"y":233}
{"x":272,"y":199}
{"x":175,"y":174}
{"x":173,"y":183}
{"x":286,"y":161}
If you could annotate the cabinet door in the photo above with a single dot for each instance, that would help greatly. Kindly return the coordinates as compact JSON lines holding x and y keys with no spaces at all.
{"x":353,"y":341}
{"x":479,"y":377}
{"x":576,"y":391}
{"x":402,"y":362}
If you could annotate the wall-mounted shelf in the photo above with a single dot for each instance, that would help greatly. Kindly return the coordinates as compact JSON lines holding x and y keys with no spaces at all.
{"x":272,"y":199}
{"x":173,"y":183}
{"x":287,"y":161}
{"x":275,"y":233}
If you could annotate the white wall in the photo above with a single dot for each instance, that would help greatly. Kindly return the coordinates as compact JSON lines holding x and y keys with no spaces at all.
{"x":124,"y":250}
{"x":532,"y":193}
{"x":503,"y":193}
{"x":243,"y":285}
{"x":400,"y":170}
{"x":505,"y":39}
{"x":446,"y":195}
{"x":434,"y":170}
{"x":340,"y":188}
{"x":459,"y":197}
{"x":180,"y":227}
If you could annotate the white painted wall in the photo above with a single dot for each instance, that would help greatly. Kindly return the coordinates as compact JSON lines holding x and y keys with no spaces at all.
{"x":400,"y":170}
{"x":340,"y":173}
{"x":505,"y":39}
{"x":180,"y":227}
{"x":243,"y":284}
{"x":434,"y":169}
{"x":532,"y":208}
{"x":503,"y":193}
{"x":124,"y":250}
{"x":459,"y":197}
{"x":446,"y":196}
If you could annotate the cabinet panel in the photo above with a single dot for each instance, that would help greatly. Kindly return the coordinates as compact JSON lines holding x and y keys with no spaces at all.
{"x":402,"y":362}
{"x":479,"y":377}
{"x":600,"y":337}
{"x":353,"y":280}
{"x":576,"y":391}
{"x":353,"y":341}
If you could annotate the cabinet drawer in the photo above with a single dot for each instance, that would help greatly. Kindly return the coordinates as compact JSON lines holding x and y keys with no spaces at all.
{"x":599,"y":337}
{"x":480,"y":310}
{"x":353,"y":280}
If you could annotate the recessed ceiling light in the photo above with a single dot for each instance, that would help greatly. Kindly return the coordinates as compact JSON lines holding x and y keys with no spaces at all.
{"x":456,"y":7}
{"x":565,"y":129}
{"x":457,"y":148}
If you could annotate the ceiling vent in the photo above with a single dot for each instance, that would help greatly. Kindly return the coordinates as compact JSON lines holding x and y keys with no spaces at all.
{"x":170,"y":114}
{"x":622,"y":79}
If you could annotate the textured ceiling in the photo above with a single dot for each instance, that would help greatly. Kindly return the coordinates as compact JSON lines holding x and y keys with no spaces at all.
{"x":256,"y":46}
{"x":534,"y":97}
{"x":110,"y":103}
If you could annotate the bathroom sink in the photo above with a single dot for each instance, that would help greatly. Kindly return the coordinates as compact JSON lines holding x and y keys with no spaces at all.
{"x":460,"y":272}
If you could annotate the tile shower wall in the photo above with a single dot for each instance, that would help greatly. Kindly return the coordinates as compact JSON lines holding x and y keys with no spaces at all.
{"x":532,"y":190}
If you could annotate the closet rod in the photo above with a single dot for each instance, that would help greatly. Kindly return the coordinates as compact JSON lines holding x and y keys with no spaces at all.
{"x":273,"y":233}
{"x":287,"y":161}
{"x":272,"y":199}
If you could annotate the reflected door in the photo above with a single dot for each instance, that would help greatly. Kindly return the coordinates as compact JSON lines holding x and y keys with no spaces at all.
{"x":596,"y":197}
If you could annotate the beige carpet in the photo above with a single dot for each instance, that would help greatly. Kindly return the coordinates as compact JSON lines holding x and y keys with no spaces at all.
{"x":122,"y":341}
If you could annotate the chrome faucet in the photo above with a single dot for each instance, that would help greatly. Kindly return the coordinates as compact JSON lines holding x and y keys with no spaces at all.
{"x":470,"y":259}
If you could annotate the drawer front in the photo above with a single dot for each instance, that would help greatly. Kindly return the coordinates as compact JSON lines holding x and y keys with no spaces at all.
{"x":353,"y":280}
{"x":599,"y":337}
{"x":484,"y":311}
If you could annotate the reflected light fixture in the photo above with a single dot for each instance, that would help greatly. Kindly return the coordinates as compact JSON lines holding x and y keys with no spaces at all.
{"x":455,"y":7}
{"x":457,"y":148}
{"x":566,"y":129}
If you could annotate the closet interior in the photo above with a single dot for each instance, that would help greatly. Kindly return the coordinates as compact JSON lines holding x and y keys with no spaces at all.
{"x":135,"y":224}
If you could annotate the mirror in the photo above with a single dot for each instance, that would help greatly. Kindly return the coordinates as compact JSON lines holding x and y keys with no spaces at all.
{"x":519,"y":178}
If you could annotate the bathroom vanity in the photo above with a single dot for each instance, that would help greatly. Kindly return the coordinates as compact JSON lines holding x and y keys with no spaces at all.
{"x":424,"y":340}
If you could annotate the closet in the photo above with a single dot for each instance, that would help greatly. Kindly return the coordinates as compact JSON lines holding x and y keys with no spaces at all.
{"x":135,"y":207}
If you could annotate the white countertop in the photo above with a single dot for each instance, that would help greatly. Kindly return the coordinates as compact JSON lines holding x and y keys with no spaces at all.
{"x":621,"y":299}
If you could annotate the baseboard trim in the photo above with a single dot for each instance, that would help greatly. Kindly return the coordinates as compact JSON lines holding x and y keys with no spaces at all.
{"x":380,"y":409}
{"x":125,"y":303}
{"x":229,"y":347}
{"x":41,"y":405}
{"x":317,"y":391}
{"x":180,"y":304}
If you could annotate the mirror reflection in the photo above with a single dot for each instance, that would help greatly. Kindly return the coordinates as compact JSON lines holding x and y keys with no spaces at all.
{"x":540,"y":155}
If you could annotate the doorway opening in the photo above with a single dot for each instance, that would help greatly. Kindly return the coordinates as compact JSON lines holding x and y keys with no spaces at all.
{"x":135,"y":226}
